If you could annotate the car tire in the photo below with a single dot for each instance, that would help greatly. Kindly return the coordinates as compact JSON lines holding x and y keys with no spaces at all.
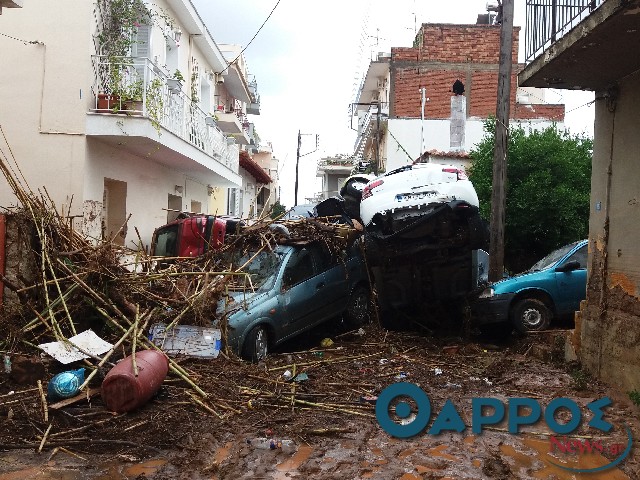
{"x":358,"y":309}
{"x":256,"y":345}
{"x":531,"y":315}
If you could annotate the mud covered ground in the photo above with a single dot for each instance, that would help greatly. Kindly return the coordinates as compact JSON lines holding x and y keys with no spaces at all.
{"x":330,"y":416}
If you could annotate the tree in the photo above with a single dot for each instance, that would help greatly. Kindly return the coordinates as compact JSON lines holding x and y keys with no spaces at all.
{"x":548,"y":186}
{"x":278,"y":209}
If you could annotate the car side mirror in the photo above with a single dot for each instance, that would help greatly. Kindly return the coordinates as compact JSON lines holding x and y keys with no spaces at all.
{"x":569,"y":266}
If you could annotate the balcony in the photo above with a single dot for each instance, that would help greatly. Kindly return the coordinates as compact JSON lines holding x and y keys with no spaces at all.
{"x":253,"y":107}
{"x":233,"y":123}
{"x":580,"y":44}
{"x":334,"y":166}
{"x":134,"y":99}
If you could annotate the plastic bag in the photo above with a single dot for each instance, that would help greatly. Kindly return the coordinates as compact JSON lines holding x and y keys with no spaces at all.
{"x":65,"y":384}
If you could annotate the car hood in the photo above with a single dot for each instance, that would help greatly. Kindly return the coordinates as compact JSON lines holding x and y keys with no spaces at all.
{"x":239,"y":299}
{"x":520,"y":281}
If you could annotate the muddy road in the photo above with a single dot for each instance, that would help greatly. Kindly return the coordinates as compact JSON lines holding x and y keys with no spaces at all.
{"x":328,"y":414}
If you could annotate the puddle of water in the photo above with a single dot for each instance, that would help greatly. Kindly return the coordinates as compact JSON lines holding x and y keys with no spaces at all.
{"x":541,"y":447}
{"x":222,"y":453}
{"x":147,"y":468}
{"x":297,"y":459}
{"x":410,"y":476}
{"x":470,"y":439}
{"x":45,"y":472}
{"x":438,"y":452}
{"x":405,"y":453}
{"x":421,"y":469}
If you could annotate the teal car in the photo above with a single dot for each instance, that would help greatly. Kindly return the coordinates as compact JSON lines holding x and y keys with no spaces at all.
{"x":552,"y":288}
{"x":292,"y":289}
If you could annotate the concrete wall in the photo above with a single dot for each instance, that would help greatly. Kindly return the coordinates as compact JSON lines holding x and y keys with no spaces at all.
{"x":437,"y":134}
{"x":148,"y":186}
{"x":610,"y":320}
{"x":45,"y":95}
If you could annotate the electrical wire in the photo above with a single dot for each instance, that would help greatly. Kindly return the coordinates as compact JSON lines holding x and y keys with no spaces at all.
{"x":253,"y":38}
{"x":26,"y":42}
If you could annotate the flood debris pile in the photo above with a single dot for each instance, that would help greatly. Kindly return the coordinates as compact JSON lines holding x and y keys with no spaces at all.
{"x":77,"y":285}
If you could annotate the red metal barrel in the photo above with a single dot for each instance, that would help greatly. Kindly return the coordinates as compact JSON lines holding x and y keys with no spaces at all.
{"x":122,"y":391}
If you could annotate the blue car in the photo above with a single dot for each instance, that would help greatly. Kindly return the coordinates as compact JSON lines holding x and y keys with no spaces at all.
{"x":290,"y":290}
{"x":552,"y":288}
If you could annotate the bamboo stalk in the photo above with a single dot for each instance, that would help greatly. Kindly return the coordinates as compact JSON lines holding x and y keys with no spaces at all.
{"x":43,"y":399}
{"x":134,"y":342}
{"x":203,"y":405}
{"x":44,"y":438}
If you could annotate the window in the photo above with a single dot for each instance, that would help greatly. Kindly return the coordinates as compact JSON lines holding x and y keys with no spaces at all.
{"x":579,"y":256}
{"x":300,"y":267}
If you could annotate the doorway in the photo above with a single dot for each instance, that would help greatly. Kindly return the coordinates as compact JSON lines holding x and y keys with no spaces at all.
{"x":114,"y":211}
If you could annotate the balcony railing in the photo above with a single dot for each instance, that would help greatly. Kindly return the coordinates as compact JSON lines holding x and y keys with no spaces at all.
{"x":136,"y":86}
{"x":550,"y":20}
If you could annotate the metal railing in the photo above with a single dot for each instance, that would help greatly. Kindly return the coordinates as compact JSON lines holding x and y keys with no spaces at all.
{"x":136,"y":86}
{"x":549,"y":20}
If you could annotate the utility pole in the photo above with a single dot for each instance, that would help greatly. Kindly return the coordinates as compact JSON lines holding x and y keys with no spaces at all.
{"x":498,"y":196}
{"x":295,"y":203}
{"x":298,"y":161}
{"x":376,"y":167}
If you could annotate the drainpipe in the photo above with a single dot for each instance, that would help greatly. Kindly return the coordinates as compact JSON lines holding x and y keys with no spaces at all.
{"x":423,"y":92}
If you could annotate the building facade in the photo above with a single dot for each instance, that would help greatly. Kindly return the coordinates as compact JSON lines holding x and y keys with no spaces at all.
{"x":588,"y":47}
{"x":437,"y":94}
{"x":126,"y":115}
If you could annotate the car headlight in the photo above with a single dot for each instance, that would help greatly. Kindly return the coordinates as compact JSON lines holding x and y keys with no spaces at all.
{"x":487,"y":293}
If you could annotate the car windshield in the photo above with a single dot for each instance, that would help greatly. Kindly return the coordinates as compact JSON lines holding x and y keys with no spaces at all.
{"x":552,"y":258}
{"x":300,"y":211}
{"x":166,"y":242}
{"x":261,"y":267}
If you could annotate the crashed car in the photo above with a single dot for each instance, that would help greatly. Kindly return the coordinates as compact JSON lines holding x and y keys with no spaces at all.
{"x":551,"y":288}
{"x":290,"y":290}
{"x":424,"y":240}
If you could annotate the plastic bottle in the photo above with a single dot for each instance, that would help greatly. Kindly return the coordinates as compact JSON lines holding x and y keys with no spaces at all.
{"x":288,"y":446}
{"x":7,"y":364}
{"x":263,"y":443}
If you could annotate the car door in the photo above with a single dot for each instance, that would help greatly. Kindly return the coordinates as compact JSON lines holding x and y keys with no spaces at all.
{"x":302,"y":290}
{"x":336,"y":283}
{"x":572,"y":285}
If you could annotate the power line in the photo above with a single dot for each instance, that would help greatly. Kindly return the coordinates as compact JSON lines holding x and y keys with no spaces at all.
{"x":26,"y":42}
{"x":253,"y":38}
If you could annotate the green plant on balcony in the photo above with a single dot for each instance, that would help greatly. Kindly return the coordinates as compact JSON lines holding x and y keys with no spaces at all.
{"x":194,"y":87}
{"x":155,"y":103}
{"x":175,"y":82}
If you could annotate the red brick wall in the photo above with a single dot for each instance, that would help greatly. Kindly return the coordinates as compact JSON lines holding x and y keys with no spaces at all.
{"x":463,"y":43}
{"x":552,"y":112}
{"x":438,"y":84}
{"x":449,"y":53}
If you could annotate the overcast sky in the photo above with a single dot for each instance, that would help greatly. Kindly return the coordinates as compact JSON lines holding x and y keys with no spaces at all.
{"x":309,"y":58}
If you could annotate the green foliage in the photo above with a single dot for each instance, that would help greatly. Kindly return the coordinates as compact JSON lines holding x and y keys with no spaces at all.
{"x":155,"y":103}
{"x":634,"y":395}
{"x":580,"y":379}
{"x":278,"y":210}
{"x":547,"y":189}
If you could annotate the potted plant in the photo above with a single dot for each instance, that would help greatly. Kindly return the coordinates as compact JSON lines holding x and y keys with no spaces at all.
{"x":132,"y":96}
{"x":175,"y":83}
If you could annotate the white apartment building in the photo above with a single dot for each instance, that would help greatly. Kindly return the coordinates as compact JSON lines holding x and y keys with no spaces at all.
{"x":127,"y":111}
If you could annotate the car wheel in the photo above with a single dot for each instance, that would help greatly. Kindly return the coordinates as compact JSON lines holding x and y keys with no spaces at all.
{"x":531,"y":315}
{"x":256,"y":345}
{"x":357,"y":313}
